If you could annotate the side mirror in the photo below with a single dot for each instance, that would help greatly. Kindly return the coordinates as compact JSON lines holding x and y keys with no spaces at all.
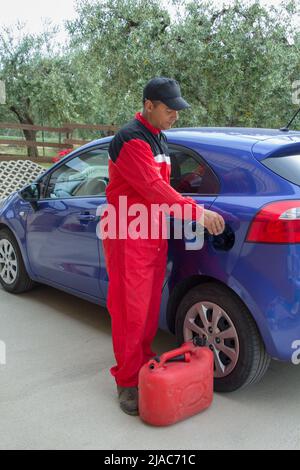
{"x":31,"y":192}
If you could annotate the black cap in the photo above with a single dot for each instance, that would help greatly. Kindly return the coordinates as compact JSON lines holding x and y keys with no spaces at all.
{"x":166,"y":90}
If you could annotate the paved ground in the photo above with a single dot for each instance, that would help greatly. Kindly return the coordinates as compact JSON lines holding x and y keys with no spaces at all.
{"x":56,"y":391}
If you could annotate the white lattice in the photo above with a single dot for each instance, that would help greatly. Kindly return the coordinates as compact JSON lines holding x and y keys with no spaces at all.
{"x":16,"y":174}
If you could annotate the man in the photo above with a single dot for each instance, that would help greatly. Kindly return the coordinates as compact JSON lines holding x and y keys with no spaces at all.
{"x":139,"y":168}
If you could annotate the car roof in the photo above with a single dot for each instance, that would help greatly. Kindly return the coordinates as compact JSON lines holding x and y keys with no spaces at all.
{"x":256,"y":133}
{"x":229,"y":136}
{"x":242,"y":138}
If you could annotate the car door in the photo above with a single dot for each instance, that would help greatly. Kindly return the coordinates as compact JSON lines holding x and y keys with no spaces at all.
{"x":191,"y":176}
{"x":62,"y":243}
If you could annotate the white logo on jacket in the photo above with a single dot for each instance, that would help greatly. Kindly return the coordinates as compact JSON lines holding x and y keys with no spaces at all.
{"x":162,"y":159}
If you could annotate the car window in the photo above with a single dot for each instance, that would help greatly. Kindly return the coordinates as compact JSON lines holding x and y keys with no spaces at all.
{"x":84,"y":175}
{"x":287,"y":167}
{"x":191,"y":174}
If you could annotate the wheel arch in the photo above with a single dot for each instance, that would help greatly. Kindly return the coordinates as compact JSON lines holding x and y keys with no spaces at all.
{"x":21,"y":248}
{"x":185,"y":286}
{"x":179,"y":292}
{"x":6,"y":227}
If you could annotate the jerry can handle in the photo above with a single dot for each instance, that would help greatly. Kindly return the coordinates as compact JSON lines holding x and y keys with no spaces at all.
{"x":186,"y":357}
{"x":180,"y":354}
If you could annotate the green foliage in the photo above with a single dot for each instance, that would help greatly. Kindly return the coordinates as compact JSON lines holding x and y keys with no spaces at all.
{"x":43,"y":85}
{"x":125,"y":41}
{"x":236,"y":64}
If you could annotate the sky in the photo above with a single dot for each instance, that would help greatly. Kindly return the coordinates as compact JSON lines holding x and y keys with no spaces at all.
{"x":33,"y":11}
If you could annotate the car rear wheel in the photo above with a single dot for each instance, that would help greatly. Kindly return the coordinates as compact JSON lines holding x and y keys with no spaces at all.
{"x":13,"y":274}
{"x":213,"y":312}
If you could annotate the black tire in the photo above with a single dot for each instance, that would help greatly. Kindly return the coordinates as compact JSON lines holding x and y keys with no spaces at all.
{"x":21,"y":282}
{"x":249,"y":361}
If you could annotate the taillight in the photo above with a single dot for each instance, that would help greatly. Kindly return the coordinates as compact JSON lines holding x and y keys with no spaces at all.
{"x":278,"y":222}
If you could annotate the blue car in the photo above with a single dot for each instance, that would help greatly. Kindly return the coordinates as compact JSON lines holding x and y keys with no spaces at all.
{"x":241,"y":291}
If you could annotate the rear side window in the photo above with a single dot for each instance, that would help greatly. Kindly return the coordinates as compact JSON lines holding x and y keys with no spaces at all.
{"x":287,"y":167}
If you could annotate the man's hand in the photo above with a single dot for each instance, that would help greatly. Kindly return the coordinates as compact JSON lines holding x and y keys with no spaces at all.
{"x":213,"y":222}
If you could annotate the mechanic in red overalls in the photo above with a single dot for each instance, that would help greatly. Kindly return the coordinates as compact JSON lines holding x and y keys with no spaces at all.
{"x":139,"y":168}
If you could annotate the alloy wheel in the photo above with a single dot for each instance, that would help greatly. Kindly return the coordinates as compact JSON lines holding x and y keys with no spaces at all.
{"x":8,"y":262}
{"x":210,"y":322}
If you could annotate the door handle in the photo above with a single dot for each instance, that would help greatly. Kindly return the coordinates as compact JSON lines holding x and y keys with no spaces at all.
{"x":86,"y":217}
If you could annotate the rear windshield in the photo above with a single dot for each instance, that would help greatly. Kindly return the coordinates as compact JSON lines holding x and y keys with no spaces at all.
{"x":288,"y":167}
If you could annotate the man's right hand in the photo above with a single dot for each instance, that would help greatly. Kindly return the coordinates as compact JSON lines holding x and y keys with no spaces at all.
{"x":214,"y":222}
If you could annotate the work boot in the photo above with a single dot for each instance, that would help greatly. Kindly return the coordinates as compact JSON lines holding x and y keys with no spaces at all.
{"x":128,"y":399}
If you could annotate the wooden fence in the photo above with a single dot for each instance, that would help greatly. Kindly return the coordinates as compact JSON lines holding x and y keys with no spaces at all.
{"x":65,"y":139}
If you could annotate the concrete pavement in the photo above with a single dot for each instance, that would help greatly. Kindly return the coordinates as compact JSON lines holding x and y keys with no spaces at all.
{"x":56,"y":391}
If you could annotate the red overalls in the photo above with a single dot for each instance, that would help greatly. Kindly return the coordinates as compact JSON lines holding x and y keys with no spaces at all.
{"x":139,"y":168}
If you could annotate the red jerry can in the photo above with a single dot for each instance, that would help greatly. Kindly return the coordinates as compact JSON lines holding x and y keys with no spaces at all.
{"x":176,"y":385}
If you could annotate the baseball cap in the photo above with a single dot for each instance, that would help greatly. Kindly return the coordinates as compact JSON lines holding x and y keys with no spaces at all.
{"x":166,"y":90}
